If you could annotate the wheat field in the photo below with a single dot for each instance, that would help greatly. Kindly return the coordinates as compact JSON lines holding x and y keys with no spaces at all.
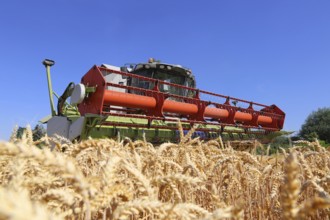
{"x":113,"y":179}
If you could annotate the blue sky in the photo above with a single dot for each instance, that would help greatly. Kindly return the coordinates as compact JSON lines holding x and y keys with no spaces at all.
{"x":271,"y":52}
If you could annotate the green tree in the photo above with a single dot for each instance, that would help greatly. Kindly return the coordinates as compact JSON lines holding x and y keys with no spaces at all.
{"x":38,"y":132}
{"x":282,"y":141}
{"x":317,"y":125}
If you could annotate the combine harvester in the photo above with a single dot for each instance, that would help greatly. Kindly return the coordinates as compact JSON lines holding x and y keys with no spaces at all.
{"x":148,"y":99}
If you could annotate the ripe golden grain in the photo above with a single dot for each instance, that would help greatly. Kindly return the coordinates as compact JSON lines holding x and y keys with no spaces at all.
{"x":113,"y":179}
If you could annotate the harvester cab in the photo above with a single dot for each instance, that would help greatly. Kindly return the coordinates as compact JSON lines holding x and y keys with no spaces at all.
{"x":147,"y":99}
{"x":174,"y":74}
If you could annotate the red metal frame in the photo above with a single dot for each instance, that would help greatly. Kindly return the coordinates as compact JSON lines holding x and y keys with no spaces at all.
{"x":156,"y":105}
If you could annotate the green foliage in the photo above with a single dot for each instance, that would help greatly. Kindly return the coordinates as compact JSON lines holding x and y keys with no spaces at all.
{"x":324,"y":144}
{"x":20,"y":132}
{"x":312,"y":136}
{"x":38,"y":132}
{"x":296,"y":137}
{"x":280,"y":142}
{"x":317,"y":125}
